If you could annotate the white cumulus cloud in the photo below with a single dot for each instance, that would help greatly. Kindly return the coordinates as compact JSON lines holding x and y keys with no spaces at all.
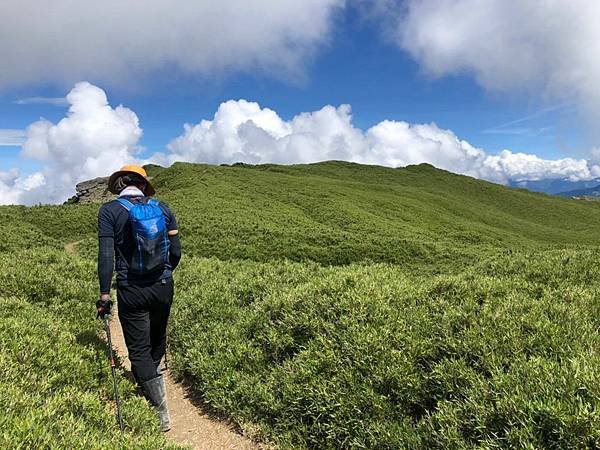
{"x":95,"y":139}
{"x":243,"y":131}
{"x":92,"y":140}
{"x":548,"y":48}
{"x":13,"y":186}
{"x":122,"y":40}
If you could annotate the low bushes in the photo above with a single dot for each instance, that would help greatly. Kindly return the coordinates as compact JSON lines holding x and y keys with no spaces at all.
{"x":501,"y":354}
{"x":504,"y":355}
{"x":56,"y":385}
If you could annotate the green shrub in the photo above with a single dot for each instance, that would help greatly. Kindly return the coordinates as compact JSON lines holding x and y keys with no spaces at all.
{"x":423,"y":310}
{"x":334,"y":213}
{"x":56,"y":384}
{"x":365,"y":356}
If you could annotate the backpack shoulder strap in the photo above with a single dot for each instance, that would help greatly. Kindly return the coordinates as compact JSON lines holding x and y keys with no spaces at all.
{"x":153,"y":201}
{"x":125,"y":203}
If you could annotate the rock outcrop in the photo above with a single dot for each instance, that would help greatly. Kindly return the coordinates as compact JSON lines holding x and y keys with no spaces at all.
{"x":92,"y":191}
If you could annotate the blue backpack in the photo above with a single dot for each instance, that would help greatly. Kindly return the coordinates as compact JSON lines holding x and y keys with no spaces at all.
{"x":149,"y":229}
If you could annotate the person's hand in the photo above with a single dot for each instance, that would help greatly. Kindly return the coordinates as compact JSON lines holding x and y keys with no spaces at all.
{"x":103,"y":306}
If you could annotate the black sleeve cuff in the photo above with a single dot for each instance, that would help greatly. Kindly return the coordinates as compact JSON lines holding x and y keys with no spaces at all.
{"x":174,"y":251}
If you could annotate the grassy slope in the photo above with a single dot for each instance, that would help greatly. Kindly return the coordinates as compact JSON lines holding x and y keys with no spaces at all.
{"x":347,"y":205}
{"x":337,"y":213}
{"x":279,"y":323}
{"x":504,"y":355}
{"x":56,"y":385}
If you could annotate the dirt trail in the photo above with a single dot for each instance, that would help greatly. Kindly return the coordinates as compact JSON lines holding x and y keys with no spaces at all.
{"x":71,"y":247}
{"x":190,"y":425}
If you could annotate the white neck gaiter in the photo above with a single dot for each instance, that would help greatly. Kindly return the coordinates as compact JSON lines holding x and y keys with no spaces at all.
{"x":131,"y":190}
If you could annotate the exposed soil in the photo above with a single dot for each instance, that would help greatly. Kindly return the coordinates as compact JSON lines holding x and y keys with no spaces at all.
{"x":190,"y":424}
{"x":71,"y":247}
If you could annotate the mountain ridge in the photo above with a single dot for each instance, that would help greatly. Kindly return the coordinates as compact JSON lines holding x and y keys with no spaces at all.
{"x":338,"y":213}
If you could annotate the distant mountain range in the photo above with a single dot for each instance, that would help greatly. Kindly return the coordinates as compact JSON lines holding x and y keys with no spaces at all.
{"x":562,"y":187}
{"x":589,"y":192}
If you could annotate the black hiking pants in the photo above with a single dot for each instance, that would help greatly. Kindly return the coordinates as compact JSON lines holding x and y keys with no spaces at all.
{"x":144,"y":313}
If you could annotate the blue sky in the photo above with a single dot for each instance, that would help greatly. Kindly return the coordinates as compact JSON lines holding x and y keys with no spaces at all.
{"x":358,"y":67}
{"x":359,"y":63}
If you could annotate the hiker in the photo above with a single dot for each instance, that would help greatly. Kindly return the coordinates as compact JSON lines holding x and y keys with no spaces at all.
{"x":138,"y":237}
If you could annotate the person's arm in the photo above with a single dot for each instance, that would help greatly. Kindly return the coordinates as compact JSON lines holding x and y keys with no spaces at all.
{"x":106,"y":252}
{"x":174,"y":248}
{"x":106,"y":263}
{"x":174,"y":241}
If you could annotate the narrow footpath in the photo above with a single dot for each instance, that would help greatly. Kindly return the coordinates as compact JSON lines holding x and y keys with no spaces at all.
{"x":191,"y":426}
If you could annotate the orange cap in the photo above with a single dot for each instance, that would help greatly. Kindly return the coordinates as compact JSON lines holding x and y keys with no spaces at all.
{"x":130,"y":168}
{"x":134,"y":169}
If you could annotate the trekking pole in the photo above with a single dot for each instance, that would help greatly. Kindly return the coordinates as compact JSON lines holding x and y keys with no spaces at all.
{"x":166,"y":352}
{"x":113,"y":368}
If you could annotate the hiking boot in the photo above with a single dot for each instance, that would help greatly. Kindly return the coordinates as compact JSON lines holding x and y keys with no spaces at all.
{"x":156,"y":393}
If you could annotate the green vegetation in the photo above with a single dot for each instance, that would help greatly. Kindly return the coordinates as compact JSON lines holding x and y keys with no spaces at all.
{"x":330,"y":305}
{"x":337,"y":213}
{"x":56,"y":386}
{"x":504,"y":355}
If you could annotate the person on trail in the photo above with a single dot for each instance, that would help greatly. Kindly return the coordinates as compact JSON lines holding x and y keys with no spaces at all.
{"x":139,"y":238}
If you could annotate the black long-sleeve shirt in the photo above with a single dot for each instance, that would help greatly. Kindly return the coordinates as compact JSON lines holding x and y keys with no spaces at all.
{"x":116,"y":246}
